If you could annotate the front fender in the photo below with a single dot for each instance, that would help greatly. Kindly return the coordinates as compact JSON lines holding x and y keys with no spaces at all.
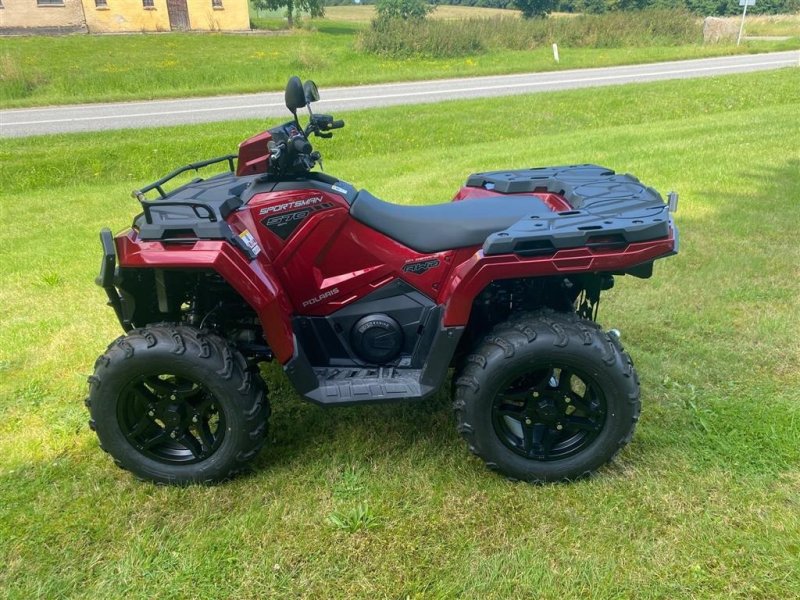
{"x":254,"y":281}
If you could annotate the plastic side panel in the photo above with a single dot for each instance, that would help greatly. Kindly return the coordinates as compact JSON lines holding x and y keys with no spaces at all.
{"x":334,"y":261}
{"x":470,"y":277}
{"x":254,"y":281}
{"x":283,"y":219}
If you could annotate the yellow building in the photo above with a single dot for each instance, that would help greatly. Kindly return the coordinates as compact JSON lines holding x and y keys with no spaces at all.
{"x":118,"y":16}
{"x":46,"y":16}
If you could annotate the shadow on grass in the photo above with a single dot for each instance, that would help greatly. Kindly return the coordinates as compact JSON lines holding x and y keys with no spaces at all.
{"x":334,"y":28}
{"x":743,"y":417}
{"x":301,"y":431}
{"x":778,"y":185}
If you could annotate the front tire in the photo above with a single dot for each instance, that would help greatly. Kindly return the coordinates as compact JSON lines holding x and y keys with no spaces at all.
{"x":176,"y":405}
{"x":547,"y":397}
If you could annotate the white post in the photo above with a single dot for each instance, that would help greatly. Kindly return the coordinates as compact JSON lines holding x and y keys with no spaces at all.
{"x":555,"y":52}
{"x":741,"y":28}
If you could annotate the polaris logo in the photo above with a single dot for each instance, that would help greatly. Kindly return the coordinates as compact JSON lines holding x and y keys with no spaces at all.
{"x":321,"y":297}
{"x":418,"y":268}
{"x":290,"y":205}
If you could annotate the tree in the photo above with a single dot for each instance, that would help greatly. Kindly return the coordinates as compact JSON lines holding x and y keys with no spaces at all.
{"x":535,"y":8}
{"x":315,"y":8}
{"x":403,"y":9}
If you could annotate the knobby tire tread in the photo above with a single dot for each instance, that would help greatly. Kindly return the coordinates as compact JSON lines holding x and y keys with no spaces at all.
{"x":231,"y":366}
{"x":528,"y":328}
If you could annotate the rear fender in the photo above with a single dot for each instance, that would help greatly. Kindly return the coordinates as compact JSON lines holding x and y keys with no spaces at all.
{"x":253,"y":280}
{"x":470,"y":277}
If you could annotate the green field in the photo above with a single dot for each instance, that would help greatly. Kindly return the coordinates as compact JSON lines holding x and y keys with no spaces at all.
{"x":771,"y":25}
{"x":36,"y":70}
{"x":705,"y":502}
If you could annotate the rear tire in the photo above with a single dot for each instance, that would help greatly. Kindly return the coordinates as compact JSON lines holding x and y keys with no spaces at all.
{"x":176,"y":405}
{"x":547,"y":397}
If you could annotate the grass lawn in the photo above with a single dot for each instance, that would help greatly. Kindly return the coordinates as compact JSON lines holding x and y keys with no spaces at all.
{"x":36,"y":70}
{"x":704,"y":503}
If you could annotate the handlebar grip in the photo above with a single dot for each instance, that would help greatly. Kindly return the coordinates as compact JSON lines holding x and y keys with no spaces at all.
{"x":337,"y":124}
{"x":301,"y":145}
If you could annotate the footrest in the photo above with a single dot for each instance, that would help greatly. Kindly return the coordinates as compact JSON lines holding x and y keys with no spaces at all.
{"x":353,"y":385}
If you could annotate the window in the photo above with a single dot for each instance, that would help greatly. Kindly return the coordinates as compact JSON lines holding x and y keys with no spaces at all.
{"x":216,"y":4}
{"x":49,"y":2}
{"x":148,"y":4}
{"x":101,"y":3}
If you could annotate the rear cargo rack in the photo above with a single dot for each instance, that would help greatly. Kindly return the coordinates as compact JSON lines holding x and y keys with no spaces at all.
{"x":607,"y":210}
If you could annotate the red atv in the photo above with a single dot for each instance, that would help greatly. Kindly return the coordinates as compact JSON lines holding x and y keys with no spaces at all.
{"x":362,"y":301}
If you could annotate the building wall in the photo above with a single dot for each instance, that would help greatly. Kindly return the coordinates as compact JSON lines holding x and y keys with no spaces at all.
{"x":126,"y":15}
{"x":27,"y":15}
{"x":233,"y":16}
{"x":21,"y":16}
{"x":129,"y":15}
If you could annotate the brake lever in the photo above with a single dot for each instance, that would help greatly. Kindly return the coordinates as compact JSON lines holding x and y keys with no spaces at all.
{"x":275,"y":151}
{"x":317,"y":158}
{"x":324,"y":135}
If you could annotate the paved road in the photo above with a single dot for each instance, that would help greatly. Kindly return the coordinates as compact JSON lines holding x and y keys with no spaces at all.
{"x":97,"y":117}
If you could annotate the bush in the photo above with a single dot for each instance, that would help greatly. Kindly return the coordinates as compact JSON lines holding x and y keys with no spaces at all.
{"x":414,"y":10}
{"x":398,"y":38}
{"x":657,"y":27}
{"x":700,"y":7}
{"x":535,"y":8}
{"x":442,"y":39}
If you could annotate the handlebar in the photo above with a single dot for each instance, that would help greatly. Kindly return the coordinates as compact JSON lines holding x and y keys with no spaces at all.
{"x":321,"y":123}
{"x":294,"y":153}
{"x":301,"y":145}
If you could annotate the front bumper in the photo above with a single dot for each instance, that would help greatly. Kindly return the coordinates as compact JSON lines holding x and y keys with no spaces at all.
{"x":108,"y":277}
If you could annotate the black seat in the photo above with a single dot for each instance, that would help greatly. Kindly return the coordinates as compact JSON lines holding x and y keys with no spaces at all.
{"x":444,"y":226}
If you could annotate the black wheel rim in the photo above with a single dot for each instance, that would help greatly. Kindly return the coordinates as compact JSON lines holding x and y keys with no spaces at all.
{"x":171,"y":419}
{"x":549,"y":414}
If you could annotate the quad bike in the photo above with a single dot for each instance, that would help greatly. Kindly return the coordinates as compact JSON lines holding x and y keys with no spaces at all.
{"x":365,"y":301}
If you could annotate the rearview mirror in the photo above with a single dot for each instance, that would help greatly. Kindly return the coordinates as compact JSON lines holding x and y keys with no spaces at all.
{"x":295,"y":95}
{"x":310,"y":90}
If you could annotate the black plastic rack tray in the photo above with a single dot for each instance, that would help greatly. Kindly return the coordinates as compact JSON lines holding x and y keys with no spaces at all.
{"x":606,"y":207}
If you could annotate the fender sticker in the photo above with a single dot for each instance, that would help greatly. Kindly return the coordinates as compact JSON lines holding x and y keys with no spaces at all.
{"x":278,"y":208}
{"x":284,"y":223}
{"x":420,"y":267}
{"x":250,"y":242}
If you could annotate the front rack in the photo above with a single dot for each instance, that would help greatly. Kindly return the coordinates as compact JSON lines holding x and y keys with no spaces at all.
{"x":202,"y":210}
{"x":196,"y":166}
